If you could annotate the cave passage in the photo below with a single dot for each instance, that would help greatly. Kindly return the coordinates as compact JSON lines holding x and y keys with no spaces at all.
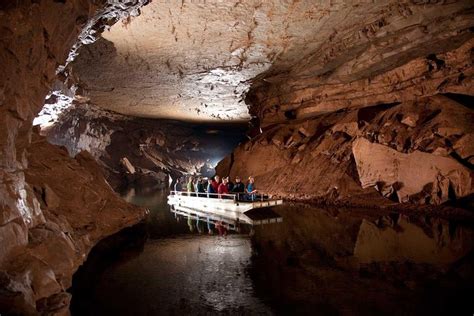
{"x":350,"y":124}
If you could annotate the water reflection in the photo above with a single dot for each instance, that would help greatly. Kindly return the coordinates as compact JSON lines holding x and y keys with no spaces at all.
{"x":348,"y":261}
{"x":318,"y":261}
{"x":182,"y":270}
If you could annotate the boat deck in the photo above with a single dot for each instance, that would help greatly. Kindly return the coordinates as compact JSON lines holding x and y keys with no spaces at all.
{"x":226,"y":207}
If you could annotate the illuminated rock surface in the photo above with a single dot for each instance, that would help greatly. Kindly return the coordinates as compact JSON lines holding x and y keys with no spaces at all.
{"x":318,"y":79}
{"x":156,"y":149}
{"x":348,"y":156}
{"x":195,"y":60}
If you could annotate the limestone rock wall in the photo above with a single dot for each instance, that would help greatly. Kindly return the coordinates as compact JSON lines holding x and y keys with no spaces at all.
{"x":407,"y":152}
{"x":142,"y":151}
{"x":75,"y":208}
{"x":40,"y":249}
{"x":299,"y":98}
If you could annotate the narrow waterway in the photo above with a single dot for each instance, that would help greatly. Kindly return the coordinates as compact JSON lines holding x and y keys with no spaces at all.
{"x":318,"y":261}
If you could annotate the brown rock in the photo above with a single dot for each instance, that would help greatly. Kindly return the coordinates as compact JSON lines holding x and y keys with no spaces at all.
{"x":410,"y":119}
{"x":376,"y":244}
{"x":127,"y":164}
{"x":464,"y":147}
{"x":378,"y":163}
{"x":51,"y":199}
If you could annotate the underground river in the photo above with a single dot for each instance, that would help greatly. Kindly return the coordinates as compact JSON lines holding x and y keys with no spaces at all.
{"x":323,"y":261}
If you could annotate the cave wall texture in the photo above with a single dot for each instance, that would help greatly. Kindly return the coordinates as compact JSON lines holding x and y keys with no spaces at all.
{"x":353,"y":97}
{"x":385,"y":105}
{"x":46,"y":230}
{"x":301,"y":67}
{"x":154,"y":149}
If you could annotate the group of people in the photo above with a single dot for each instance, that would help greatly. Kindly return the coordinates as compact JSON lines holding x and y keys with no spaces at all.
{"x":214,"y":187}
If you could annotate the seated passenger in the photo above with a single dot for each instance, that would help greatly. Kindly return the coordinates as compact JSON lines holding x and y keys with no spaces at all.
{"x":223,"y":189}
{"x":210,"y":188}
{"x":250,"y":190}
{"x":215,"y":183}
{"x":178,"y":186}
{"x":190,"y":186}
{"x":239,"y":188}
{"x":230,"y":185}
{"x":199,"y":187}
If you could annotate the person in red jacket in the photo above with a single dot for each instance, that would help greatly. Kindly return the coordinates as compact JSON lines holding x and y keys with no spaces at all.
{"x":222,"y":189}
{"x":215,"y":184}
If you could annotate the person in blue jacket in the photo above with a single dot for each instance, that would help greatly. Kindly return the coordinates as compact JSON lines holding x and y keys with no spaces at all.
{"x":250,"y":189}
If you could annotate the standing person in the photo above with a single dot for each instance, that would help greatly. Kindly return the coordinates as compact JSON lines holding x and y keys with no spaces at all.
{"x":250,"y":189}
{"x":209,"y":226}
{"x":223,"y":188}
{"x":190,"y":186}
{"x":215,"y":183}
{"x":239,"y":188}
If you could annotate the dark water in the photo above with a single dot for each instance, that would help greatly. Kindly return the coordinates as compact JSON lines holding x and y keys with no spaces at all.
{"x":317,"y":262}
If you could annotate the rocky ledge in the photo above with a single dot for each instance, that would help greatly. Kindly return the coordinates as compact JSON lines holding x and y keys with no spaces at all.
{"x":74,"y":209}
{"x":416,"y":151}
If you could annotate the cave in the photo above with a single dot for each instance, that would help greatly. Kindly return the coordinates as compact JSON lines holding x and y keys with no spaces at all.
{"x":349,"y":123}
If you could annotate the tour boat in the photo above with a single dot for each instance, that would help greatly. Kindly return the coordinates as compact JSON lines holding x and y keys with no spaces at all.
{"x":231,"y":208}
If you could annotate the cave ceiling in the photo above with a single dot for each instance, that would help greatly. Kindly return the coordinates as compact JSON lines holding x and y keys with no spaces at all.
{"x":196,"y":60}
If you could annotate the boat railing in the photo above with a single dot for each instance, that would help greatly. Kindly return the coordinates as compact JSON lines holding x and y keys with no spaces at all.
{"x":237,"y":197}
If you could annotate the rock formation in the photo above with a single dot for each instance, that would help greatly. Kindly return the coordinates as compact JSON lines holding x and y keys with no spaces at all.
{"x":324,"y":82}
{"x":142,"y":151}
{"x":41,"y":252}
{"x":47,"y":229}
{"x":317,"y":73}
{"x":196,"y":60}
{"x":405,"y":151}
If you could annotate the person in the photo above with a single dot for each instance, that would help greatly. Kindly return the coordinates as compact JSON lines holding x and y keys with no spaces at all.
{"x":210,"y":188}
{"x":215,"y":183}
{"x":230,"y":185}
{"x":189,"y":186}
{"x":223,"y":188}
{"x":250,"y":190}
{"x":239,"y":187}
{"x":178,"y":186}
{"x":199,"y":187}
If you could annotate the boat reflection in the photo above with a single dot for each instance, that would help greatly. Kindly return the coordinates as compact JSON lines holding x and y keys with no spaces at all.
{"x":222,"y":214}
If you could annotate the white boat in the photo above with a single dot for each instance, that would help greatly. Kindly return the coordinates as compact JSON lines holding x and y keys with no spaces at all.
{"x":226,"y":207}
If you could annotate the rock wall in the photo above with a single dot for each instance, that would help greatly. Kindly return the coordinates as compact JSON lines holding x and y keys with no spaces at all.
{"x":43,"y":238}
{"x":142,"y":151}
{"x":339,"y":86}
{"x":413,"y":151}
{"x":38,"y":260}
